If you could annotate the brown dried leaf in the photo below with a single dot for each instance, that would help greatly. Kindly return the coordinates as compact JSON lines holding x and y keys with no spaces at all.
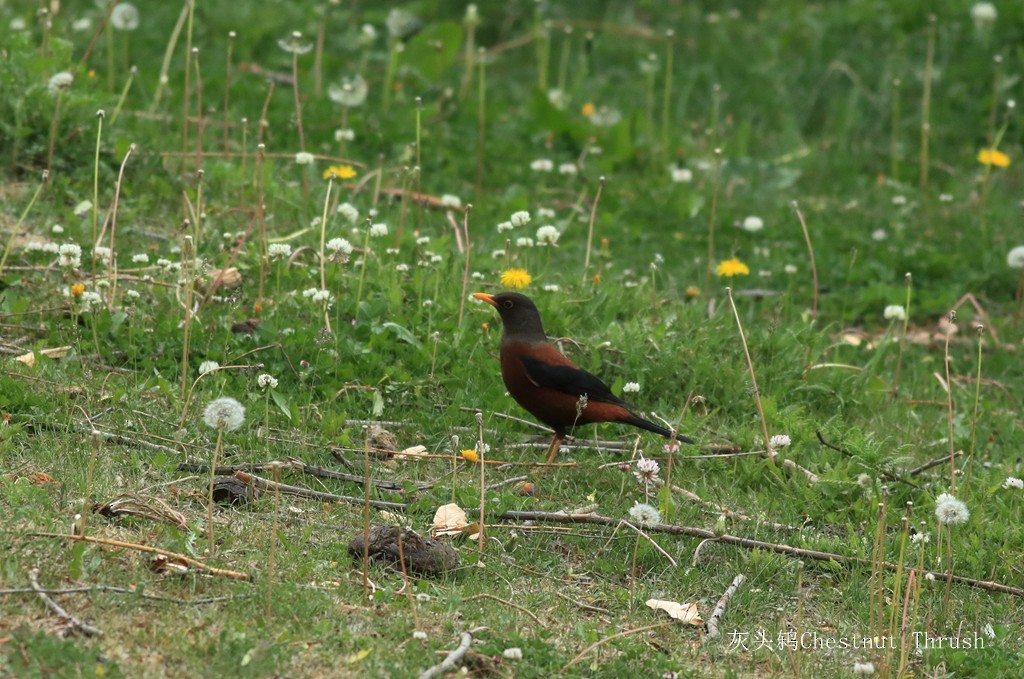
{"x":687,"y":613}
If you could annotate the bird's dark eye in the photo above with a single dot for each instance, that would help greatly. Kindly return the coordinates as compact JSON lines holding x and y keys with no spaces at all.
{"x":507,"y":304}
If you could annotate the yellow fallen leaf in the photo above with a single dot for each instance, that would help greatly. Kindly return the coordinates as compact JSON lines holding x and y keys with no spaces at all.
{"x":685,"y":612}
{"x":29,"y":359}
{"x":356,"y":657}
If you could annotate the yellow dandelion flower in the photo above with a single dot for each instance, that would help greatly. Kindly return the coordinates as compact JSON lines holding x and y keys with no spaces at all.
{"x":340,"y":172}
{"x":515,"y":278}
{"x":486,"y":327}
{"x":470,"y":455}
{"x":993,"y":157}
{"x":77,"y":289}
{"x":732,"y":267}
{"x":588,"y":110}
{"x":692,"y":291}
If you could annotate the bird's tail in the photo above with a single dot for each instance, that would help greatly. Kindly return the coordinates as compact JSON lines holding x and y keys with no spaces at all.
{"x":657,"y":429}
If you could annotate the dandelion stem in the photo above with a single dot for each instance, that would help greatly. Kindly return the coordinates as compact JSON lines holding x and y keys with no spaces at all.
{"x":926,"y":99}
{"x":272,"y":559}
{"x":213,"y":476}
{"x":903,"y":336}
{"x":810,"y":254}
{"x":753,"y":379}
{"x":132,"y":72}
{"x":21,"y":220}
{"x":666,"y":96}
{"x":54,"y":124}
{"x":481,"y":124}
{"x":188,"y":90}
{"x":227,"y":94}
{"x":112,"y":271}
{"x":974,"y":416}
{"x":465,"y":271}
{"x":172,"y":42}
{"x":590,"y":227}
{"x":949,"y":406}
{"x":712,"y":215}
{"x":323,"y":247}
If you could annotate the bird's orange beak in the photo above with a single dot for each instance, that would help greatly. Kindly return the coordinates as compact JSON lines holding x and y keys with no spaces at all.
{"x":484,"y":297}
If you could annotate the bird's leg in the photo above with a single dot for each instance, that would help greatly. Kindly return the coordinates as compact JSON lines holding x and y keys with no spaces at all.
{"x":556,"y":444}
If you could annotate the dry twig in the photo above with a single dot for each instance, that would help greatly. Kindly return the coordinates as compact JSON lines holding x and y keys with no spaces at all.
{"x":87,"y":629}
{"x":465,"y":639}
{"x":711,"y":626}
{"x":507,"y":603}
{"x":234,"y":575}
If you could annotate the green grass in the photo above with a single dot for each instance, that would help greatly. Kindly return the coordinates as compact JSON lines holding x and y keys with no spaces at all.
{"x":800,"y":101}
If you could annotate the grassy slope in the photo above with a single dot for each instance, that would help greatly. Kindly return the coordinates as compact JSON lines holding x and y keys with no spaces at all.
{"x":804,"y":112}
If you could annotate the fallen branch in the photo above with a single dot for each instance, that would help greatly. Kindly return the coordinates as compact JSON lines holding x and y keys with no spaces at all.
{"x":86,"y":629}
{"x":711,"y":626}
{"x":507,"y":603}
{"x":933,"y":463}
{"x":267,"y":484}
{"x":234,"y":575}
{"x":465,"y":639}
{"x":298,"y":465}
{"x":594,"y":645}
{"x":747,"y":543}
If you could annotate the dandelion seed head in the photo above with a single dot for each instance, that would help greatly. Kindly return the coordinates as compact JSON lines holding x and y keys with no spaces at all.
{"x":224,"y":413}
{"x":645,"y":514}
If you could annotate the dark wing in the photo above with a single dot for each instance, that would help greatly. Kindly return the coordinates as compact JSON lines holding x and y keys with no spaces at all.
{"x":570,"y":380}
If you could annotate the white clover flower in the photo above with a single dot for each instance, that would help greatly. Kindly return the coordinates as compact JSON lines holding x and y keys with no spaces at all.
{"x":920,"y":538}
{"x":644,"y":514}
{"x":631,"y":388}
{"x":779,"y":441}
{"x":1012,"y":482}
{"x":224,"y":413}
{"x":419,"y":635}
{"x":1015,"y":257}
{"x":379,"y":230}
{"x":514,"y":653}
{"x":647,"y":470}
{"x":542,"y":165}
{"x":505,"y":226}
{"x":753,"y":224}
{"x":125,"y":17}
{"x":344,"y":134}
{"x":265,"y":381}
{"x":141,"y":258}
{"x":401,"y":23}
{"x":605,"y":117}
{"x":279,"y":250}
{"x":401,"y":268}
{"x":983,"y":14}
{"x":60,"y":82}
{"x":422,"y":240}
{"x":70,"y":255}
{"x":316,"y":294}
{"x":545,"y":213}
{"x":680,"y":175}
{"x":82,"y":208}
{"x":102,"y":252}
{"x":497,"y":254}
{"x":863,"y":668}
{"x":558,"y":98}
{"x":548,"y":235}
{"x":391,"y":251}
{"x":208,"y":367}
{"x":524,"y":242}
{"x":951,"y":511}
{"x":134,"y":294}
{"x":551,"y":287}
{"x":57,"y":229}
{"x":367,"y":35}
{"x":304,"y":158}
{"x":339,"y":246}
{"x":80,"y":25}
{"x":51,"y":248}
{"x":436,"y":259}
{"x":878,"y":235}
{"x":520,"y":218}
{"x":945,"y":197}
{"x":790,"y":268}
{"x":350,"y":93}
{"x":89,"y":298}
{"x":894,"y":312}
{"x":349,"y":212}
{"x":477,"y":276}
{"x":449,"y":200}
{"x":568,"y":169}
